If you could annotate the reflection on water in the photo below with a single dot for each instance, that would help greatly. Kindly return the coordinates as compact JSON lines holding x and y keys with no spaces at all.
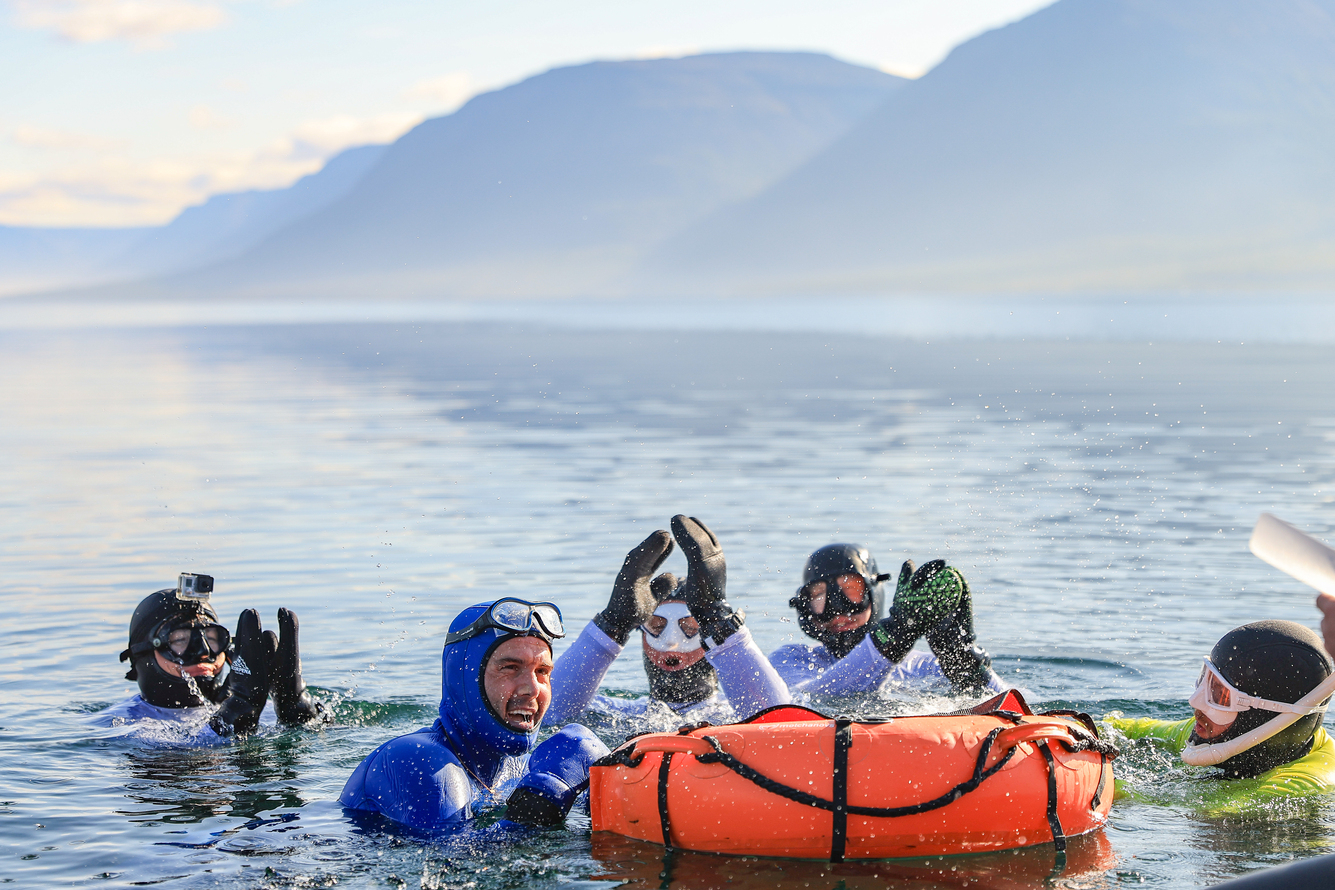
{"x":378,"y":478}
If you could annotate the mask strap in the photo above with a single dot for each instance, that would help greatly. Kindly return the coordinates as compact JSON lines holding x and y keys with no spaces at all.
{"x":1210,"y":755}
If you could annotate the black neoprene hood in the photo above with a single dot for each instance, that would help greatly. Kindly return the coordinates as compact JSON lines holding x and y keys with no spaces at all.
{"x":831,"y":561}
{"x":1276,"y":660}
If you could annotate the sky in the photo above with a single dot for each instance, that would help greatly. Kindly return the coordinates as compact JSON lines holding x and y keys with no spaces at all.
{"x":124,"y":112}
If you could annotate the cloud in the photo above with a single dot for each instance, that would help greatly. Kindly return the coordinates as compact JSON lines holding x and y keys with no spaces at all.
{"x":666,"y":52}
{"x":444,"y":93}
{"x":202,"y":117}
{"x":114,"y":191}
{"x":144,"y":23}
{"x":28,"y":136}
{"x":327,"y":136}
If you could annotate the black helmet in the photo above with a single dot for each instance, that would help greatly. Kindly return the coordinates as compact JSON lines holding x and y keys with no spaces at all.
{"x":157,"y":686}
{"x":1279,"y":661}
{"x":826,"y":564}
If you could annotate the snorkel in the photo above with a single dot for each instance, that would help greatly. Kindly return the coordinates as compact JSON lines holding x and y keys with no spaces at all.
{"x":185,"y":611}
{"x":1278,"y":663}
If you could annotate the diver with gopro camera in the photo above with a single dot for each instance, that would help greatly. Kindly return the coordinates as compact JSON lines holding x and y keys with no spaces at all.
{"x":1254,"y":718}
{"x":698,"y":654}
{"x":192,"y":672}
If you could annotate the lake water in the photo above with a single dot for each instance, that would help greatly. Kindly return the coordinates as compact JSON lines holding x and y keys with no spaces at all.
{"x":377,"y":472}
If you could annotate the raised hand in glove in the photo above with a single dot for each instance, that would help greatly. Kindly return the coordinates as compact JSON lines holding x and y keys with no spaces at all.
{"x":558,"y":770}
{"x":632,"y":602}
{"x":706,"y":579}
{"x":966,"y":664}
{"x":252,"y":672}
{"x":293,"y":702}
{"x":922,"y":599}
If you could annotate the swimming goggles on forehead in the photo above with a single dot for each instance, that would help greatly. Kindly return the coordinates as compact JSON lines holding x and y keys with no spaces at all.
{"x":1214,"y":693}
{"x":514,"y":616}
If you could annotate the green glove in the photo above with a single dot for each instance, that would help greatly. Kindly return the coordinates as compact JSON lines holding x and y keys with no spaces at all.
{"x":952,"y":640}
{"x":922,"y":599}
{"x":632,"y":601}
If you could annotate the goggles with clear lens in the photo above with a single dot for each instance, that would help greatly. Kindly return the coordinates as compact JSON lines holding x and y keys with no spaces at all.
{"x":190,"y":643}
{"x":1220,"y":700}
{"x":657,"y":624}
{"x":843,"y":594}
{"x":514,"y":616}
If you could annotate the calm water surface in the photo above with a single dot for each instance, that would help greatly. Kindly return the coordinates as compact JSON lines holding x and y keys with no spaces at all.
{"x":377,"y":478}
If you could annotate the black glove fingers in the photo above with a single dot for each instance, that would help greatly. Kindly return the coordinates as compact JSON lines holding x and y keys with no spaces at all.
{"x":247,"y":627}
{"x":704,"y":528}
{"x":905,"y":573}
{"x":648,"y":555}
{"x":924,"y":575}
{"x":269,"y":641}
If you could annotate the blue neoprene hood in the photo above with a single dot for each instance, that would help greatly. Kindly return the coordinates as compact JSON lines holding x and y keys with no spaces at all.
{"x":465,"y":715}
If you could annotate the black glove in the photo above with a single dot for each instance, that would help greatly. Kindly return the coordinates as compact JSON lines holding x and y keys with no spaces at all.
{"x":706,"y":579}
{"x":922,"y":599}
{"x":965,"y":663}
{"x":558,"y":771}
{"x":293,"y":702}
{"x":252,"y":669}
{"x":632,"y":602}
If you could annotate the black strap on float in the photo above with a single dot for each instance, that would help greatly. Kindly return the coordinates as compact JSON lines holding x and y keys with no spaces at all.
{"x":843,"y":740}
{"x":664,"y":818}
{"x":980,"y":773}
{"x":1054,"y":820}
{"x":840,"y":807}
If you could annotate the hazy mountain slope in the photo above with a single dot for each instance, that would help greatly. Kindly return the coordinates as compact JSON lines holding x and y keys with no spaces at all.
{"x":228,"y":224}
{"x":552,"y":184}
{"x":1097,"y":144}
{"x":36,"y":258}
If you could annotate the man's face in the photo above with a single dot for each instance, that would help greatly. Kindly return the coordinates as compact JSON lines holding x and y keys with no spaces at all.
{"x":518,"y":682}
{"x":854,"y":588}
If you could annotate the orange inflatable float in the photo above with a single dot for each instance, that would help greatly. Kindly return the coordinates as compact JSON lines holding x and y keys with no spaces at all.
{"x":792,"y":782}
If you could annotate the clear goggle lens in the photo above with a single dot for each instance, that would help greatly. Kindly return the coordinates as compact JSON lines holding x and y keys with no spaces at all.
{"x":1220,"y":699}
{"x":657,"y":624}
{"x":517,"y":616}
{"x":208,"y":639}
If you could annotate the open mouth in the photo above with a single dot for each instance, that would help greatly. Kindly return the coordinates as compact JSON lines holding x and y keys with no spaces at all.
{"x":522,"y":718}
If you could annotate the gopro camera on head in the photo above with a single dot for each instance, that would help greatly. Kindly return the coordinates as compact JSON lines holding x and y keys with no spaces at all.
{"x":194,"y":588}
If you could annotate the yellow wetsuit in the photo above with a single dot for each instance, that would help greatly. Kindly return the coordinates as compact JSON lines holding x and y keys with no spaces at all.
{"x":1314,"y":773}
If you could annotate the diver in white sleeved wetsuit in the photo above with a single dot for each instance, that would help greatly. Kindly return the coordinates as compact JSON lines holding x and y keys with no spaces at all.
{"x":693,"y":642}
{"x":839,"y":603}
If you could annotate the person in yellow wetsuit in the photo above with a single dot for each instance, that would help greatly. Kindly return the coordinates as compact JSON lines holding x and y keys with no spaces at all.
{"x":1242,"y":702}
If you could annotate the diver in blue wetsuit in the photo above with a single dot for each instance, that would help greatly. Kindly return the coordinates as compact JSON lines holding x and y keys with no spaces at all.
{"x":839,"y":604}
{"x":495,"y":689}
{"x":698,"y":654}
{"x":197,"y":683}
